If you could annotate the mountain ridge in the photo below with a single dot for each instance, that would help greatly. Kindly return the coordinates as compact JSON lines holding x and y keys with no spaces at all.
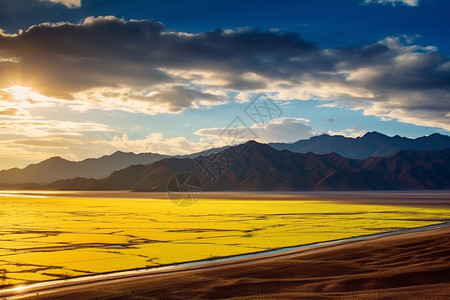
{"x":56,"y":167}
{"x":259,"y":167}
{"x":371,"y":144}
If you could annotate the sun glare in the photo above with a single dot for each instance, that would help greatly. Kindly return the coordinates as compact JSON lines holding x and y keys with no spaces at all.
{"x":18,"y":92}
{"x":27,"y":94}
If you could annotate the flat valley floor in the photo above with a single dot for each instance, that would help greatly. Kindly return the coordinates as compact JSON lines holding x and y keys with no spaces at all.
{"x":413,"y":265}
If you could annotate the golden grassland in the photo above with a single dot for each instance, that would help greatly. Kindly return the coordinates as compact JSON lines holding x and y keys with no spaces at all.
{"x":53,"y":238}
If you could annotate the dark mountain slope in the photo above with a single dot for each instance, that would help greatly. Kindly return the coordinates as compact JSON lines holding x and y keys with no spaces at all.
{"x":259,"y":167}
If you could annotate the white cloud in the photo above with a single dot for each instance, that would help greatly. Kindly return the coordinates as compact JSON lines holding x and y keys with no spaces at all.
{"x":158,"y":143}
{"x":17,"y":101}
{"x":165,"y":98}
{"x":349,"y":132}
{"x":42,"y":128}
{"x":277,"y":130}
{"x":68,"y":3}
{"x":9,"y":59}
{"x":33,"y":140}
{"x":394,"y":2}
{"x":408,"y":108}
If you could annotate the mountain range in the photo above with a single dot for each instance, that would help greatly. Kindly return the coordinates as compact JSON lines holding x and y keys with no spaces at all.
{"x":370,"y":145}
{"x":259,"y":167}
{"x":107,"y":171}
{"x":56,"y":168}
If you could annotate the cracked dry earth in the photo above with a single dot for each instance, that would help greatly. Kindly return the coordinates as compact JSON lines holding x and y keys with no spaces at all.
{"x":52,"y":238}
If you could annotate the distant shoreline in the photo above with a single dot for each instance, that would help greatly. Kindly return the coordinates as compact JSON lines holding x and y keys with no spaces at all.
{"x":403,"y":198}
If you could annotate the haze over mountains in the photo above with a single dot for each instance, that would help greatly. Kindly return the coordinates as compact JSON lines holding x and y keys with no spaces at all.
{"x":260,"y":167}
{"x":58,"y":168}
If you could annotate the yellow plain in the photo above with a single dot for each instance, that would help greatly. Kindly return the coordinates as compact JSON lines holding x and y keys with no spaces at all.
{"x":52,"y":238}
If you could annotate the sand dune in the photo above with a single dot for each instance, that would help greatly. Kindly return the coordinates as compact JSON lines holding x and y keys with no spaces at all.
{"x":408,"y":266}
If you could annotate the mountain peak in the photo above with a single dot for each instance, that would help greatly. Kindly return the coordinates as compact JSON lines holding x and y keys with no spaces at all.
{"x":252,"y":144}
{"x":118,"y":152}
{"x":55,"y":158}
{"x":436,"y":134}
{"x":374,"y":134}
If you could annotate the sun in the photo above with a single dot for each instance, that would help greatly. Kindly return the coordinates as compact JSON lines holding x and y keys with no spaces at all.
{"x":24,"y":94}
{"x":18,"y":92}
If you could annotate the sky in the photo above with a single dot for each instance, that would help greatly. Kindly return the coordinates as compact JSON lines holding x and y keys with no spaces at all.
{"x":86,"y":78}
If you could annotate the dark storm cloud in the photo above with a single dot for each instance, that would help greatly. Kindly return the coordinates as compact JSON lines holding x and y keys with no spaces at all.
{"x":393,"y":2}
{"x":19,"y":14}
{"x":109,"y":52}
{"x":388,"y":77}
